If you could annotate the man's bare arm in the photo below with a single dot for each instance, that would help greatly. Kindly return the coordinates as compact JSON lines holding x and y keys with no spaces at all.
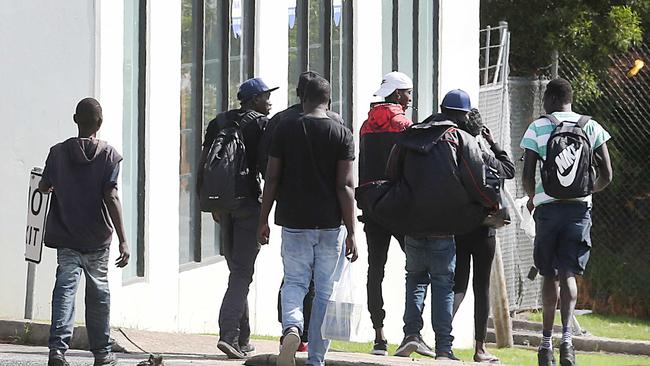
{"x":271,"y":183}
{"x":114,"y":207}
{"x":345,"y":195}
{"x":528,"y":175}
{"x":604,"y":166}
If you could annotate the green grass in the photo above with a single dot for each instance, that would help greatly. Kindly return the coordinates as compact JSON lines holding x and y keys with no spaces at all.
{"x":620,"y":327}
{"x":518,"y":356}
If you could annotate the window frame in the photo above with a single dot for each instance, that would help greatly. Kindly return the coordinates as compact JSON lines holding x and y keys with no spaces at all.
{"x":415,"y":36}
{"x":196,"y":119}
{"x":140,"y":165}
{"x":347,"y":22}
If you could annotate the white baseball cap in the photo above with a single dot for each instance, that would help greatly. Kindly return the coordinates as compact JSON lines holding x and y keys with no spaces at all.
{"x":393,"y":81}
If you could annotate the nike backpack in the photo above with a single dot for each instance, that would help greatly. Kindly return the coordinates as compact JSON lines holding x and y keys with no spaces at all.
{"x":567,"y":171}
{"x":226,"y":168}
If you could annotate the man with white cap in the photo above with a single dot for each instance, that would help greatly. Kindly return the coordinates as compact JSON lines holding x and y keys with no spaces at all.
{"x":385,"y":121}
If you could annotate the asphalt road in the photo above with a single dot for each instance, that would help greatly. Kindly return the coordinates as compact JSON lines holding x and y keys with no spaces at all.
{"x":12,"y":355}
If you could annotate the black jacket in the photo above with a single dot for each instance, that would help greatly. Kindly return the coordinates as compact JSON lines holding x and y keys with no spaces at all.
{"x":436,"y":183}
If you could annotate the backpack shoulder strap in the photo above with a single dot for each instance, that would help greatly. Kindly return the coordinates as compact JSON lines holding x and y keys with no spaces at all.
{"x":249,"y":117}
{"x":582,"y":122}
{"x":552,"y":118}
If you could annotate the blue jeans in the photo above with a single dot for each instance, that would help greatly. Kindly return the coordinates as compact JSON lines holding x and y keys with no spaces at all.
{"x":306,"y":253}
{"x":94,"y":266}
{"x":430,"y":261}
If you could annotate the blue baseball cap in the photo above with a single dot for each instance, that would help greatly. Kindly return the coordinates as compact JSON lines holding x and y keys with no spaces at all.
{"x":252,"y":87}
{"x":457,"y":99}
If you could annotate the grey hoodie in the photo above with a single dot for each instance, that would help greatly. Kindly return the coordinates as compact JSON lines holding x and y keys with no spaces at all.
{"x":80,"y":170}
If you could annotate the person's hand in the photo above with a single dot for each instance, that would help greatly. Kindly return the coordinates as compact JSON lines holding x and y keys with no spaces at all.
{"x":487,"y":135}
{"x":530,"y":205}
{"x":351,"y":248}
{"x":263,"y":233}
{"x":216,"y":216}
{"x":123,"y":259}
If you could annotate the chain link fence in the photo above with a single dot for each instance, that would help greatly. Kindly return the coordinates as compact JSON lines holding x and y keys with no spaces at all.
{"x":507,"y":106}
{"x":617,"y":279}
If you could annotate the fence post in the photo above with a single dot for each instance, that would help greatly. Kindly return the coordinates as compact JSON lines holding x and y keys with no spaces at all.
{"x":555,"y":64}
{"x":499,"y":301}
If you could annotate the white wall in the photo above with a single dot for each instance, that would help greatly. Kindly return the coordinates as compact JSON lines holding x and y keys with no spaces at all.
{"x":48,"y":65}
{"x":459,"y":69}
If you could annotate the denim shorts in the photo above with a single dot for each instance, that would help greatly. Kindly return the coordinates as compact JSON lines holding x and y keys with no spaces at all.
{"x":562,"y":241}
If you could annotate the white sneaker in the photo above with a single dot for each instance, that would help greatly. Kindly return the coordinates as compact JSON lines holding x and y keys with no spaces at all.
{"x":290,"y":344}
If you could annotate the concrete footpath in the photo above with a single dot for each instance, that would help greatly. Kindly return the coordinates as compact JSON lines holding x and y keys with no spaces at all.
{"x":177,"y":349}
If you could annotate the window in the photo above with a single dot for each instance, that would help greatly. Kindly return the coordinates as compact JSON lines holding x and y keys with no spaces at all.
{"x":216,"y":57}
{"x":133,"y":133}
{"x":320,"y":39}
{"x":410,"y":44}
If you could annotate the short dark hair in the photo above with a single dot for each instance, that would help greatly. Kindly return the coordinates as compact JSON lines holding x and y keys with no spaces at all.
{"x":88,"y":111}
{"x":303,"y":79}
{"x":560,"y":89}
{"x":318,"y":90}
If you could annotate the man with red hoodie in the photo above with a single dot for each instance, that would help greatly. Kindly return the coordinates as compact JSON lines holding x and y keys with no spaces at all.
{"x":378,"y":133}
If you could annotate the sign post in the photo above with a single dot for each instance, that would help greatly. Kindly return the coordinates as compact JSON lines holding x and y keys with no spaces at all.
{"x":37,"y":207}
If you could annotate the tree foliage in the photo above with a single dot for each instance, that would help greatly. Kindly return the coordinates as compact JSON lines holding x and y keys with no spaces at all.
{"x":588,"y":30}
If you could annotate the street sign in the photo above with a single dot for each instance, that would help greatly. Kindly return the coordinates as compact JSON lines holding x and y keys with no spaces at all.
{"x":37,"y":206}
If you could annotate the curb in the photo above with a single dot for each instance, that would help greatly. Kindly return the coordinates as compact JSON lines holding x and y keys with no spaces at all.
{"x":35,"y":333}
{"x":581,"y":343}
{"x":348,"y":359}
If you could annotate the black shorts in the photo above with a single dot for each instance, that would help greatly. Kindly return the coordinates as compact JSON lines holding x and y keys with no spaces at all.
{"x":562,"y":241}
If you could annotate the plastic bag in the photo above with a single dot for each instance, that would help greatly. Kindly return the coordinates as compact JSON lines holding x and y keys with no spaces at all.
{"x":344,"y":309}
{"x":527,"y":221}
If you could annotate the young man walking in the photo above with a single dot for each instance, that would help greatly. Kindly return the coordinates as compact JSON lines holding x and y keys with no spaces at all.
{"x":81,"y":174}
{"x":563,"y":241}
{"x":386,"y":120}
{"x":310,"y":174}
{"x":443,"y":168}
{"x":293,"y":112}
{"x":239,"y":243}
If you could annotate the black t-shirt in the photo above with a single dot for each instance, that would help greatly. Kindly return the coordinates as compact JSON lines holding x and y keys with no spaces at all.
{"x":307,"y":193}
{"x":291,"y":113}
{"x":251,"y":133}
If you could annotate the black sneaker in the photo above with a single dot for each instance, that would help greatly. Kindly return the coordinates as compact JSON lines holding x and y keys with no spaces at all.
{"x":409,"y":345}
{"x":57,"y":358}
{"x":231,"y":349}
{"x":567,"y":354}
{"x":380,"y":348}
{"x":448,"y":356}
{"x":545,"y":357}
{"x":105,"y":359}
{"x":247,"y":348}
{"x":289,"y":347}
{"x":425,"y":350}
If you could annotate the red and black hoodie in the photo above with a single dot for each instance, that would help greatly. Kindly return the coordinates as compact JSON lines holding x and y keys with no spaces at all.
{"x":377,"y":137}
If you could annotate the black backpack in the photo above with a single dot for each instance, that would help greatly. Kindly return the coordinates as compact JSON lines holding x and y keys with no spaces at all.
{"x":226,"y":168}
{"x":568,"y":170}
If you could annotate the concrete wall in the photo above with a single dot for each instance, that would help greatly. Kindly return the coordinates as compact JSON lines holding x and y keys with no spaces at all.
{"x":172,"y":297}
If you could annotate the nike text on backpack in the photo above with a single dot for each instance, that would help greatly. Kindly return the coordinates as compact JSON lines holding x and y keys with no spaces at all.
{"x":567,"y":171}
{"x":226,"y":169}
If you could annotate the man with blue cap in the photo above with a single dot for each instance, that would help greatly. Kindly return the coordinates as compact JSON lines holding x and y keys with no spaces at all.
{"x":238,"y":240}
{"x":443,"y":169}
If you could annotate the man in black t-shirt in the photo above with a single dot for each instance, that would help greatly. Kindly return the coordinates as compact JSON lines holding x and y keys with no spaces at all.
{"x":310,"y":174}
{"x":238,"y":242}
{"x":293,"y":112}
